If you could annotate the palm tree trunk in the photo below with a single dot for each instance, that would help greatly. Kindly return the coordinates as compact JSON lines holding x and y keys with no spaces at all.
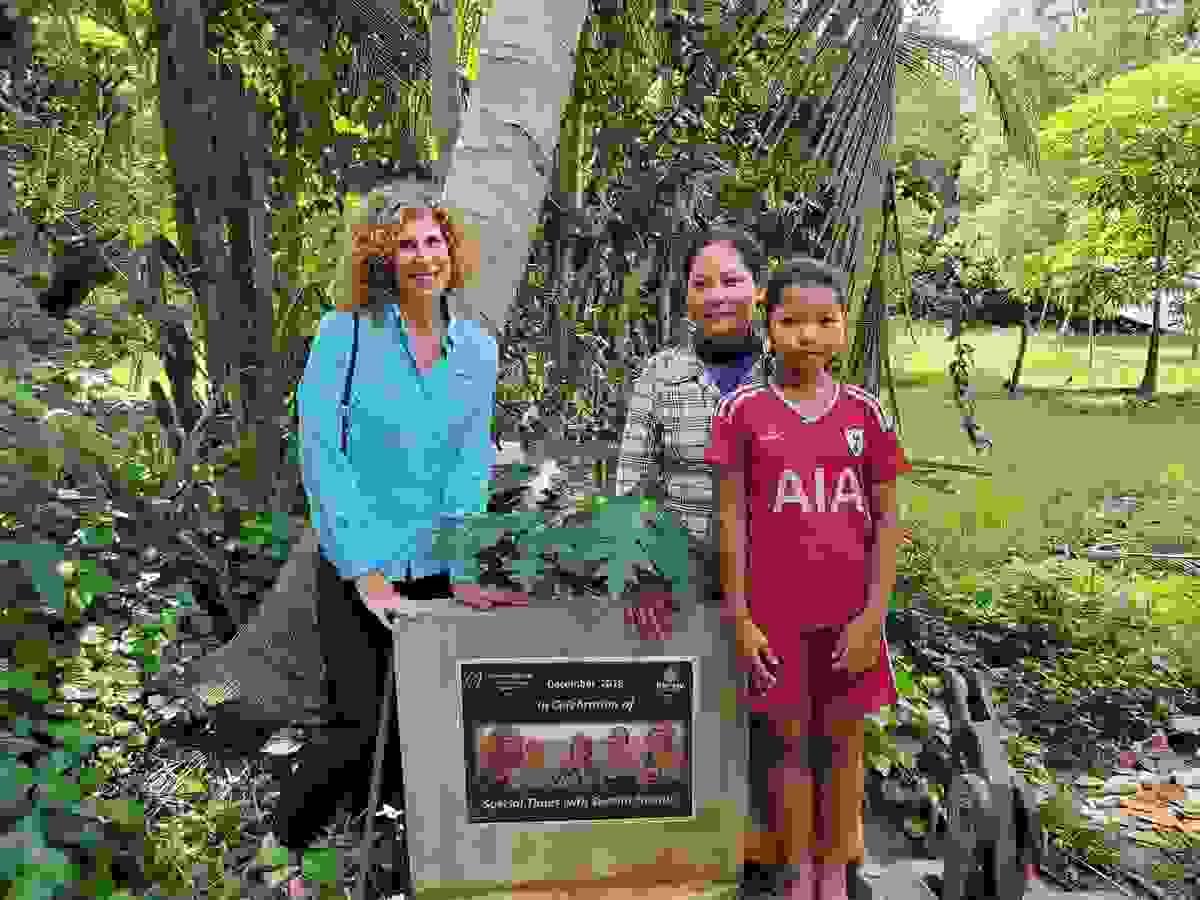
{"x":1150,"y":379}
{"x":870,"y":340}
{"x":497,"y":178}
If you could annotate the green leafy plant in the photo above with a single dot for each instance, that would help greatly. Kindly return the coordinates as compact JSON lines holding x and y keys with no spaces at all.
{"x":193,"y":846}
{"x":1067,"y":830}
{"x":614,"y":533}
{"x":1020,"y":749}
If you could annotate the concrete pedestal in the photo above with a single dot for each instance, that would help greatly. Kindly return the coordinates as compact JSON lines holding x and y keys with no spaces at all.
{"x":453,"y":857}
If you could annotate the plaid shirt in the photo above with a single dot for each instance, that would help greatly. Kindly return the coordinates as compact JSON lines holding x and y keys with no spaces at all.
{"x":666,"y":434}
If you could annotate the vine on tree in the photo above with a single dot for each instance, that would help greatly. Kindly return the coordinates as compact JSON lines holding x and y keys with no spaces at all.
{"x":964,"y":395}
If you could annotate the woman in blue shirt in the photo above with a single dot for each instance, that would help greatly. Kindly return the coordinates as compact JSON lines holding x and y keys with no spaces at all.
{"x":410,"y":454}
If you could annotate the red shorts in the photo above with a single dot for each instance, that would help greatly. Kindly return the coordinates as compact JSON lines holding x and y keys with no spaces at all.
{"x":810,"y":690}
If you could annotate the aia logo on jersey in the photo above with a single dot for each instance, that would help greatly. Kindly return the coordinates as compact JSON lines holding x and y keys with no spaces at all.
{"x":794,"y":488}
{"x":855,"y":441}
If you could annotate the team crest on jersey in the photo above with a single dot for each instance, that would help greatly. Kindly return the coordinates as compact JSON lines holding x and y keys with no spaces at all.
{"x":854,"y":440}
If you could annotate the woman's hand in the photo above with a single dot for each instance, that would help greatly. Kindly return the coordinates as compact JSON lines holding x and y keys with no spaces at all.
{"x":477,"y":597}
{"x":754,"y":650}
{"x":385,"y":602}
{"x":857,"y":648}
{"x":651,"y":613}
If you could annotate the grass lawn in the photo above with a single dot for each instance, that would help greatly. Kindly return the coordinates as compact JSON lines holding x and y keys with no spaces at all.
{"x":1057,"y":449}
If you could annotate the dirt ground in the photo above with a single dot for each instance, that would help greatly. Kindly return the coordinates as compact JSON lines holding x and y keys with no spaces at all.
{"x":618,"y":891}
{"x":663,"y":880}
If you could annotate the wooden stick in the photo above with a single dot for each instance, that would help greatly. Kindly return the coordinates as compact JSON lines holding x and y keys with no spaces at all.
{"x":385,"y":716}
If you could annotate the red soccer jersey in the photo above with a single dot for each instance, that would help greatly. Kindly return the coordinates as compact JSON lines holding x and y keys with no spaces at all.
{"x":808,"y":483}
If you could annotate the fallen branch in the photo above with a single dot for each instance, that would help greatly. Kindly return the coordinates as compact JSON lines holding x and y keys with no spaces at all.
{"x":953,"y":467}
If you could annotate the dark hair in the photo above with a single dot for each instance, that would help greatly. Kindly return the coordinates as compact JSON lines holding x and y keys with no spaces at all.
{"x":804,"y":271}
{"x":748,"y":248}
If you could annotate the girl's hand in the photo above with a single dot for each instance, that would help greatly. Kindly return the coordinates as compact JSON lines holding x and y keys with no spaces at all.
{"x":857,"y":647}
{"x":477,"y":597}
{"x":756,"y":652}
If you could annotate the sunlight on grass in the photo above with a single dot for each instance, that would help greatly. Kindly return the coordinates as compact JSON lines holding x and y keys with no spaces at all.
{"x":1049,"y":454}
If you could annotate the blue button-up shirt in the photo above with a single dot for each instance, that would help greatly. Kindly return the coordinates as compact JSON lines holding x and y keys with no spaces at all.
{"x":419,"y":454}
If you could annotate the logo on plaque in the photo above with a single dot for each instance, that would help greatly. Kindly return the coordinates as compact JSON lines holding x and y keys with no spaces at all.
{"x":577,"y":740}
{"x":670,"y":682}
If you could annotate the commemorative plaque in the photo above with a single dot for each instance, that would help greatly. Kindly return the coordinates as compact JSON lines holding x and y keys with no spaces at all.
{"x":551,"y":744}
{"x":576,"y":740}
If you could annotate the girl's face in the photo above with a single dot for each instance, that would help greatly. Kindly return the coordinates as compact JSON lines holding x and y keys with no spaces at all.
{"x":422,"y":258}
{"x":721,"y":291}
{"x":807,"y":327}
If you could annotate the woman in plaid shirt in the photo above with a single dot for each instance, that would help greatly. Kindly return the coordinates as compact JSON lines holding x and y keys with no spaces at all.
{"x":666,"y":428}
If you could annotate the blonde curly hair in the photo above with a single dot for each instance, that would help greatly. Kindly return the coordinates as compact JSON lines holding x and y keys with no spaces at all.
{"x":381,"y":240}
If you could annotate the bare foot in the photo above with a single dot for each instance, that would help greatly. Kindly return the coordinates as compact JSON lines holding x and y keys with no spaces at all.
{"x":831,"y":881}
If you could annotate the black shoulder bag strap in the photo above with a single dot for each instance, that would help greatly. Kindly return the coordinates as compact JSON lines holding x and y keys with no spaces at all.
{"x":345,"y":406}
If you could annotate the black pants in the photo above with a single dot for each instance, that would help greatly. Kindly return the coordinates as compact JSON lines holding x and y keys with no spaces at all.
{"x":337,"y":762}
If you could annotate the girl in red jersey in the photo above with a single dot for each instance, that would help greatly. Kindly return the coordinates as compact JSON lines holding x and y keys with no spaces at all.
{"x":807,"y":500}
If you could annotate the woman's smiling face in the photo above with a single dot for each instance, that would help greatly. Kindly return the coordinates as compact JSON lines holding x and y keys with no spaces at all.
{"x":721,"y":291}
{"x":422,"y":257}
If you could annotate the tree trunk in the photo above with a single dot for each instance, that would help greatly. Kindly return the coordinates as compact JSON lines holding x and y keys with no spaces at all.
{"x":1091,"y":338}
{"x":1068,"y":313}
{"x":498,"y":174}
{"x":1150,"y":379}
{"x":253,"y":316}
{"x":945,"y":184}
{"x":866,"y":355}
{"x":666,"y":279}
{"x":1014,"y":383}
{"x":558,"y":299}
{"x":443,"y":65}
{"x":198,"y":153}
{"x":1195,"y":314}
{"x":959,"y":317}
{"x":285,"y":202}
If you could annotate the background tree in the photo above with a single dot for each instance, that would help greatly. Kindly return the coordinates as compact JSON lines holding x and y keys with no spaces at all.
{"x":1133,"y":147}
{"x":1017,"y":217}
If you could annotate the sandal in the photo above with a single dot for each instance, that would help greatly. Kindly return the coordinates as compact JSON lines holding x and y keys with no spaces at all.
{"x":758,"y":881}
